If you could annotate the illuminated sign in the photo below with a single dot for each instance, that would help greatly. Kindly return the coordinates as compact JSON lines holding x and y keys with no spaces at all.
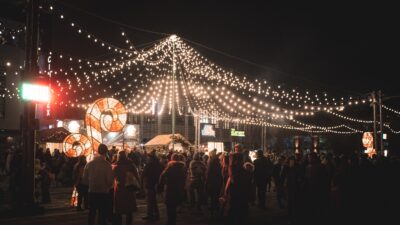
{"x":237,"y":133}
{"x":35,"y":92}
{"x":208,"y":130}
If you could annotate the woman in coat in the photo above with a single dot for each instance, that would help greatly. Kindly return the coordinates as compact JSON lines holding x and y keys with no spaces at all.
{"x":124,"y":198}
{"x":173,"y":177}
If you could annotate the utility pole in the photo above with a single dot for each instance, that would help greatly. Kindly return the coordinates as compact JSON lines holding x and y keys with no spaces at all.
{"x":380,"y":121}
{"x":28,"y":122}
{"x":374,"y":102}
{"x":173,"y":39}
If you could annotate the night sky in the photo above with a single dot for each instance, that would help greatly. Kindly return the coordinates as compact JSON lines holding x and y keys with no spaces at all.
{"x":345,"y":48}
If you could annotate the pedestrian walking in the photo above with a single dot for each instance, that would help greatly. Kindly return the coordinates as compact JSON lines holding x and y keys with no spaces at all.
{"x":125,"y":190}
{"x":213,"y":180}
{"x":98,"y":175}
{"x":173,"y":177}
{"x":150,"y":177}
{"x":80,"y":186}
{"x":262,"y":174}
{"x":197,"y":170}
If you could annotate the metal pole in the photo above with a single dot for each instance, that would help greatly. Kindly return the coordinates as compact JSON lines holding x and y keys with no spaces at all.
{"x":262,"y":137}
{"x":195,"y":130}
{"x":28,"y":119}
{"x":374,"y":102}
{"x":173,"y":92}
{"x":380,"y":121}
{"x":198,"y":133}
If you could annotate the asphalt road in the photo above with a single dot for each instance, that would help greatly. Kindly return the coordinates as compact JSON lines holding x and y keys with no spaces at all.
{"x":59,"y":212}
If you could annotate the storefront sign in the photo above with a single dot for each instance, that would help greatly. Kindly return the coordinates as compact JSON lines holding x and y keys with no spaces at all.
{"x":237,"y":133}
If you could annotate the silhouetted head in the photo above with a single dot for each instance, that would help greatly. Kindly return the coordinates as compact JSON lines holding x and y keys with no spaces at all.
{"x":102,"y":150}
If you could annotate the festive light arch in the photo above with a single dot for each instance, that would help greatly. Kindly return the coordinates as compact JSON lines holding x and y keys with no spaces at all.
{"x":141,"y":76}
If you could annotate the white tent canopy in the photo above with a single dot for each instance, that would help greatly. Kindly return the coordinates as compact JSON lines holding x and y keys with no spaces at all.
{"x":164,"y":143}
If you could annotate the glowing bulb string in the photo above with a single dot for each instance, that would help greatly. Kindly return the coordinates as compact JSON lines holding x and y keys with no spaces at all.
{"x":327,"y":128}
{"x":350,"y":118}
{"x":251,"y":86}
{"x":197,"y":43}
{"x":391,"y":109}
{"x":113,"y":21}
{"x":261,"y":66}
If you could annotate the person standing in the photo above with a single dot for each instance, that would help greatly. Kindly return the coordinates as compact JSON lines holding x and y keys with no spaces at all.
{"x":278,"y":175}
{"x":197,"y":171}
{"x":151,"y":173}
{"x":124,"y":198}
{"x":98,"y":175}
{"x":238,"y":190}
{"x":262,"y":173}
{"x":293,"y":180}
{"x":173,"y":177}
{"x":214,"y":180}
{"x":81,"y":188}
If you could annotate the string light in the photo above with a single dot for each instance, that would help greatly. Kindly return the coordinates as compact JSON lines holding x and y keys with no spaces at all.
{"x":391,"y":110}
{"x":140,"y":77}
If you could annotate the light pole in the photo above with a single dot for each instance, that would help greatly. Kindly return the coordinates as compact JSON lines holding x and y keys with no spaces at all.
{"x":173,"y":39}
{"x":28,"y":118}
{"x":381,"y":100}
{"x":380,"y":121}
{"x":374,"y":102}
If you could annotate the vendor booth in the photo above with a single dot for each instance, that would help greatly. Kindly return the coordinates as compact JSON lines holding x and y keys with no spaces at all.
{"x":52,"y":138}
{"x":163,"y":143}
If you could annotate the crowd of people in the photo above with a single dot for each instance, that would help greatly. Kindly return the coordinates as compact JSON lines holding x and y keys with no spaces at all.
{"x":314,"y":188}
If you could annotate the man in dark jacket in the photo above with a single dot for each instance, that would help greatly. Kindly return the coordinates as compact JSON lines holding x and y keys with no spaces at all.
{"x":262,"y":174}
{"x":214,"y":180}
{"x":151,"y":174}
{"x":279,"y":178}
{"x":173,"y":177}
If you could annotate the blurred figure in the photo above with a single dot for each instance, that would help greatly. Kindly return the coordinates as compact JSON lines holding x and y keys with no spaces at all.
{"x":99,"y":176}
{"x":151,"y":174}
{"x":293,"y":178}
{"x":173,"y":177}
{"x":237,"y":148}
{"x":237,"y":190}
{"x":314,"y":178}
{"x":81,"y":188}
{"x":197,"y":170}
{"x":124,"y":198}
{"x":262,"y":174}
{"x":213,"y":180}
{"x":279,"y":179}
{"x":45,"y":183}
{"x":246,"y":156}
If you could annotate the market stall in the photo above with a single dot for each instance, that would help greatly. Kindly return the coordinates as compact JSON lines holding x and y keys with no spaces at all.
{"x":163,"y":143}
{"x":52,"y":138}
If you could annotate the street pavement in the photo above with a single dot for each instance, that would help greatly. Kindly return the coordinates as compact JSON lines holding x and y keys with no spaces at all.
{"x":59,"y":212}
